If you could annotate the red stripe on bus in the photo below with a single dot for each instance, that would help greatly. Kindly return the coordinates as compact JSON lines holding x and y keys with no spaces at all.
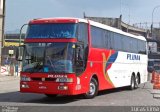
{"x":38,"y":40}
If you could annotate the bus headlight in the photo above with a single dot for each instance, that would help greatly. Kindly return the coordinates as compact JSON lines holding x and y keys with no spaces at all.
{"x":24,"y":78}
{"x":24,"y":86}
{"x":64,"y":79}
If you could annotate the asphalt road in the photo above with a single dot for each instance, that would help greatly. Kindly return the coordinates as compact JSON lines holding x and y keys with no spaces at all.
{"x":10,"y":96}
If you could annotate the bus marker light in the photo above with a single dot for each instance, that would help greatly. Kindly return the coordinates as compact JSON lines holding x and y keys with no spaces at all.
{"x":78,"y":80}
{"x":91,"y":64}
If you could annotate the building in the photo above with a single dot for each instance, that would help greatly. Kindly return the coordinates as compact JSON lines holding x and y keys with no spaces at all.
{"x":118,"y":23}
{"x":11,"y":43}
{"x":2,"y":15}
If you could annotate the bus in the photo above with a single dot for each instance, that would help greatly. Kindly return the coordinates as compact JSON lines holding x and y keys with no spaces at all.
{"x":71,"y":56}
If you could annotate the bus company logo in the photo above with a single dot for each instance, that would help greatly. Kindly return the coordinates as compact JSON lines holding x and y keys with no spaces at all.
{"x":133,"y":57}
{"x":56,"y":76}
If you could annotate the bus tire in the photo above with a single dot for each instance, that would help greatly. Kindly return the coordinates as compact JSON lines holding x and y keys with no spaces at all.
{"x":137,"y":81}
{"x":132,"y":85}
{"x":51,"y":95}
{"x":93,"y":89}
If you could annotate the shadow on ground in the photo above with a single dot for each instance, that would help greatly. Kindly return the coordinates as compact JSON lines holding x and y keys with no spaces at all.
{"x":18,"y":97}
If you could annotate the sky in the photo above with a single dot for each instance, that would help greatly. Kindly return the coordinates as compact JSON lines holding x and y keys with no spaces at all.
{"x":19,"y":12}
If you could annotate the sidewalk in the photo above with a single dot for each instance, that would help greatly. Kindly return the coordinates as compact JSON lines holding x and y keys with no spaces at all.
{"x":6,"y":75}
{"x":149,"y":87}
{"x":8,"y":78}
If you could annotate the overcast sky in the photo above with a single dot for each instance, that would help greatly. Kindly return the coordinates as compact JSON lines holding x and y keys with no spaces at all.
{"x":19,"y":12}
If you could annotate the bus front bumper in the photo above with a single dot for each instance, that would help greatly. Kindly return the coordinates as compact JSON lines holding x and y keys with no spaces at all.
{"x":50,"y":88}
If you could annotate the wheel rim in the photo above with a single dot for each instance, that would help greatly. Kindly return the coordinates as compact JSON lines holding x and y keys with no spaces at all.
{"x":92,"y":88}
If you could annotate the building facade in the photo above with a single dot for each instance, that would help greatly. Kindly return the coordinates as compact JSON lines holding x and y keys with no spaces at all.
{"x":2,"y":15}
{"x":11,"y":43}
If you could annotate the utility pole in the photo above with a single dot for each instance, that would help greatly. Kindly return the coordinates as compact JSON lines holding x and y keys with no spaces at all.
{"x":152,"y":18}
{"x":2,"y":18}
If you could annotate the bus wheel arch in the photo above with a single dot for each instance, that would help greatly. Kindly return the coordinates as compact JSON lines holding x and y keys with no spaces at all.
{"x":93,"y":87}
{"x":95,"y":77}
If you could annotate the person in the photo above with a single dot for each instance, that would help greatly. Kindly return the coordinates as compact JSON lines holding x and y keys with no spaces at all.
{"x":6,"y":62}
{"x":16,"y":68}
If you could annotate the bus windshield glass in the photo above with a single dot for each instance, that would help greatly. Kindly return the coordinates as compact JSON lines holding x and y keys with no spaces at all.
{"x":48,"y":57}
{"x":54,"y":30}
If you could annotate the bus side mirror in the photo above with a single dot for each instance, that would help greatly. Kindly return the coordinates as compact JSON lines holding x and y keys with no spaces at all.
{"x":79,"y":52}
{"x":79,"y":57}
{"x":19,"y":53}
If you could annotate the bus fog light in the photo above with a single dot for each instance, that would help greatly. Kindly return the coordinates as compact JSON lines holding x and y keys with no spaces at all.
{"x":62,"y":87}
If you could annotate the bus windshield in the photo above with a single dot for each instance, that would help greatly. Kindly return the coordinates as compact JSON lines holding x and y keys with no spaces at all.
{"x":48,"y":57}
{"x":54,"y":30}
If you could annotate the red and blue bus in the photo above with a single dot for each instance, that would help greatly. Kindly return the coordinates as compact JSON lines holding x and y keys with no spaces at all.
{"x":71,"y":56}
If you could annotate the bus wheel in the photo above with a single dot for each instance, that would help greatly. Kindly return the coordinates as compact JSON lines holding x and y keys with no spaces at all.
{"x":137,"y":80}
{"x":132,"y":86}
{"x":51,"y":95}
{"x":93,"y":91}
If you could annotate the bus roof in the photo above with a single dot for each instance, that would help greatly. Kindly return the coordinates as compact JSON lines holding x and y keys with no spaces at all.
{"x":76,"y":20}
{"x":57,"y":20}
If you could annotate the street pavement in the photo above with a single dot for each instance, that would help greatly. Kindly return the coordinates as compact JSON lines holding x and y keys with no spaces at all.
{"x":8,"y":83}
{"x":10,"y":96}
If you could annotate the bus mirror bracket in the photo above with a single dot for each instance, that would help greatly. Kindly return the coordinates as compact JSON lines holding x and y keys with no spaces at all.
{"x":19,"y":53}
